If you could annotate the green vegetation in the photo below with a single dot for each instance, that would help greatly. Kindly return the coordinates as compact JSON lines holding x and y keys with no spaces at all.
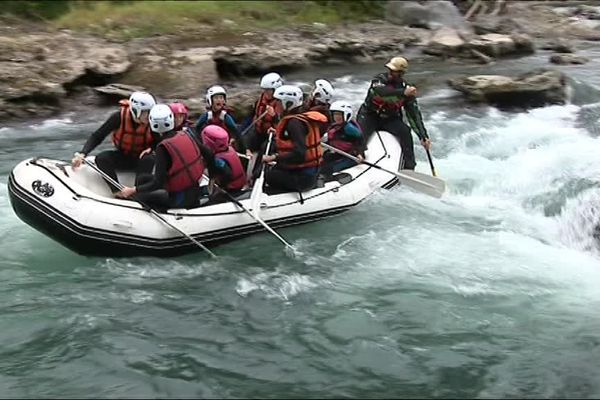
{"x":127,"y":19}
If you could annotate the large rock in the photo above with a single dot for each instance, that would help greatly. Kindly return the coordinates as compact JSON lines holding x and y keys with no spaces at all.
{"x":430,"y":15}
{"x":41,"y":69}
{"x":445,"y":41}
{"x":498,"y":45}
{"x":533,"y":89}
{"x":448,"y":42}
{"x":334,"y":47}
{"x":565,"y":59}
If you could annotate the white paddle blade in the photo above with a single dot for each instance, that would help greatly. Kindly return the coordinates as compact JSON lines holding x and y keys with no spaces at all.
{"x":430,"y":185}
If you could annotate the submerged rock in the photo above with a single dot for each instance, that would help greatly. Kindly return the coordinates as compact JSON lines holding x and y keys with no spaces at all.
{"x":533,"y":89}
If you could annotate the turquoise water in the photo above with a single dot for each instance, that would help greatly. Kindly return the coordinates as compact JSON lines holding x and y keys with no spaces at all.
{"x":492,"y":291}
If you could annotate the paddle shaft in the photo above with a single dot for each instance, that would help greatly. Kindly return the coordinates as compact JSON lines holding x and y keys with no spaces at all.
{"x":256,"y":217}
{"x":261,"y":116}
{"x":430,"y":162}
{"x":257,"y":189}
{"x":397,"y":174}
{"x":154,"y":213}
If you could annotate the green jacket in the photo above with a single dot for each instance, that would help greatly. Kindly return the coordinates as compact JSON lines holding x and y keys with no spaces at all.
{"x":386,"y":99}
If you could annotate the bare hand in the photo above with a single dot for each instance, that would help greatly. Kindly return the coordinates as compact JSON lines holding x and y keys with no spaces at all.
{"x":410,"y":91}
{"x":77,"y":160}
{"x":271,"y":130}
{"x":360,"y":158}
{"x":147,"y":151}
{"x":270,"y":111}
{"x":126,"y":192}
{"x":269,"y":159}
{"x":426,"y":143}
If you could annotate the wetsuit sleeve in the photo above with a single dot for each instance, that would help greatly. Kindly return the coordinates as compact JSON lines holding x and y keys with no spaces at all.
{"x":201,"y":123}
{"x":415,"y":119}
{"x":111,"y":124}
{"x":235,"y":133}
{"x":297,"y":131}
{"x":223,"y":171}
{"x":352,"y":133}
{"x":156,"y":140}
{"x":163,"y":164}
{"x":209,"y":159}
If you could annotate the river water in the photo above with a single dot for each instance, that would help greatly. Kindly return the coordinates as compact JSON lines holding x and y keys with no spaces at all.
{"x":492,"y":291}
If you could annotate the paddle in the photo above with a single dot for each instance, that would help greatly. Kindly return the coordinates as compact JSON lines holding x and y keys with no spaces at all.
{"x":261,"y":116}
{"x":256,"y":218}
{"x":429,"y":185}
{"x":430,"y":162}
{"x":147,"y":208}
{"x":258,"y":184}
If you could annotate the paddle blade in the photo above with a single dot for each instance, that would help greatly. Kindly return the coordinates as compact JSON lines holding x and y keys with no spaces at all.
{"x":430,"y":185}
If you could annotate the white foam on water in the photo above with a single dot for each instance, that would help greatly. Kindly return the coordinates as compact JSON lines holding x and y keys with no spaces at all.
{"x":275,"y":285}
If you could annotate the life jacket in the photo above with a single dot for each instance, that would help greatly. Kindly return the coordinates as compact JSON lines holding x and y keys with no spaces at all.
{"x":388,"y":105}
{"x":320,"y":107}
{"x":238,"y":175}
{"x":216,"y":118}
{"x":266,"y":122}
{"x":187,"y":165}
{"x":335,"y":137}
{"x":314,"y":150}
{"x":131,"y":138}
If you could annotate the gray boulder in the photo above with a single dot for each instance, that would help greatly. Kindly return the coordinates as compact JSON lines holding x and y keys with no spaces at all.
{"x":533,"y":89}
{"x":429,"y":15}
{"x":42,"y":69}
{"x":565,"y":59}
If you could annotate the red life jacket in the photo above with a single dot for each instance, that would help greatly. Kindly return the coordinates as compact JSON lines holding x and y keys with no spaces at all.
{"x":314,"y":150}
{"x":266,"y":122}
{"x":238,"y":175}
{"x":131,"y":138}
{"x":187,"y":165}
{"x":335,"y":137}
{"x":216,"y":118}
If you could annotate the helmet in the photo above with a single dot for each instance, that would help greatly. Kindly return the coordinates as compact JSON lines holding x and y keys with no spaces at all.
{"x":344,"y":107}
{"x":179,"y":108}
{"x":215,"y":137}
{"x":161,"y":118}
{"x":272,"y":80}
{"x":290,"y":96}
{"x":214,"y":90}
{"x":397,"y":64}
{"x":139,"y":102}
{"x":324,"y":90}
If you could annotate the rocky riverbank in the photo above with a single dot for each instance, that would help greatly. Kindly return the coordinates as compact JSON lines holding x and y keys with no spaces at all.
{"x":45,"y":72}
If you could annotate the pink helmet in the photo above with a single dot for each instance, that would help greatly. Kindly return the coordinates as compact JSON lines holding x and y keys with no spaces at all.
{"x":216,"y":138}
{"x":180,"y":108}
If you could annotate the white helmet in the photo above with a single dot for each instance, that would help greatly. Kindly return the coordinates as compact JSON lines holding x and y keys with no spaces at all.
{"x":324,"y":90}
{"x":290,"y":96}
{"x":272,"y":80}
{"x":344,"y":107}
{"x":213,"y":90}
{"x":139,"y":102}
{"x":161,"y":118}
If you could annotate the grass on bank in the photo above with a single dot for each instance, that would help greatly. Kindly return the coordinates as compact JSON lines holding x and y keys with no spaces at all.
{"x":129,"y":19}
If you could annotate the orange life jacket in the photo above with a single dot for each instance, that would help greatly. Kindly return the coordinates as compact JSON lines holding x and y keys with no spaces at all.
{"x":131,"y":138}
{"x":266,"y":122}
{"x":314,"y":150}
